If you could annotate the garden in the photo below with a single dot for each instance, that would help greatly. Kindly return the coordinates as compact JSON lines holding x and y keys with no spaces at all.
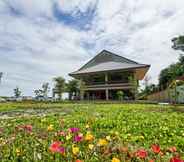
{"x":95,"y":132}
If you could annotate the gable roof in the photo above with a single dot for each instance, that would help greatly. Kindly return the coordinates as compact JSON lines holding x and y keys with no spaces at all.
{"x":108,"y":61}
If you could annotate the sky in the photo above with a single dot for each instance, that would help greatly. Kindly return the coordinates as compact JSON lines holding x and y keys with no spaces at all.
{"x":42,"y":39}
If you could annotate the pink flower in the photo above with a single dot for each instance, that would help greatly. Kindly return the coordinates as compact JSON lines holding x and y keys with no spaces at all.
{"x":141,"y":153}
{"x":27,"y":128}
{"x":61,"y":133}
{"x":74,"y":130}
{"x":78,"y":138}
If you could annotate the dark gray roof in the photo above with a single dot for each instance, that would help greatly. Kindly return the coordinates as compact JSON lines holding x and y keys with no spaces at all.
{"x":107,"y":61}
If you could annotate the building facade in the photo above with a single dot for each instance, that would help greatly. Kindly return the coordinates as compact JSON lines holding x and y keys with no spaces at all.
{"x":107,"y":74}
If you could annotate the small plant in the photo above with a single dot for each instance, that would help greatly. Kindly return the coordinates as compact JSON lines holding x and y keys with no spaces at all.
{"x":120,"y":95}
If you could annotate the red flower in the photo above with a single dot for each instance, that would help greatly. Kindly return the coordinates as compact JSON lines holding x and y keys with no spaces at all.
{"x":141,"y":153}
{"x":176,"y":159}
{"x":56,"y":147}
{"x":155,"y":148}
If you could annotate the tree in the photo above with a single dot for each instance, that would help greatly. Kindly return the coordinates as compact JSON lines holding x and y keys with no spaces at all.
{"x":171,"y":73}
{"x":17,"y":92}
{"x":1,"y":75}
{"x":45,"y":89}
{"x":38,"y":93}
{"x":59,"y":86}
{"x":178,"y":43}
{"x":73,"y":88}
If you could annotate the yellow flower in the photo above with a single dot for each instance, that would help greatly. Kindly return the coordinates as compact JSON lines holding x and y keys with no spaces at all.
{"x":68,"y":137}
{"x":87,"y":126}
{"x":102,"y":142}
{"x":108,"y":138}
{"x":91,"y":146}
{"x":89,"y":137}
{"x":115,"y":160}
{"x":116,"y":133}
{"x":50,"y":127}
{"x":75,"y":150}
{"x":18,"y":152}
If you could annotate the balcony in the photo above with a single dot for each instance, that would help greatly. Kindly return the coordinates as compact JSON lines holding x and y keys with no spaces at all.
{"x":109,"y":85}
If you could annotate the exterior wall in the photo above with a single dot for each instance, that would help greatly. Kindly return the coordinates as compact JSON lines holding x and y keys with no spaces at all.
{"x":168,"y":95}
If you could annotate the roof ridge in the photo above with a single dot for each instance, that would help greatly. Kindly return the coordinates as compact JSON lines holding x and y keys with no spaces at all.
{"x":110,"y":53}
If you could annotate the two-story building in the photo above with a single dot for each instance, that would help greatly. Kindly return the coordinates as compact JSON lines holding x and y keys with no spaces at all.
{"x":106,"y":74}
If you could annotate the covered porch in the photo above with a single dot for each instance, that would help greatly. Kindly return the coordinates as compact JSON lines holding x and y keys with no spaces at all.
{"x":108,"y":94}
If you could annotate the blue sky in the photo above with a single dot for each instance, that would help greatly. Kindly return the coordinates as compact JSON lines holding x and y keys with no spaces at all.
{"x":43,"y":39}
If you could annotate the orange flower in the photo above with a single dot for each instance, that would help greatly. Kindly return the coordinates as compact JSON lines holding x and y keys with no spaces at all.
{"x":151,"y":160}
{"x":89,"y":137}
{"x":78,"y":160}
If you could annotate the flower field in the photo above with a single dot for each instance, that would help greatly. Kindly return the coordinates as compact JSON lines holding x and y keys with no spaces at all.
{"x":91,"y":133}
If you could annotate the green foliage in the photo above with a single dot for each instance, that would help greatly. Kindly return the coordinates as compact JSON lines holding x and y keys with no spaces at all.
{"x":171,"y":73}
{"x":59,"y":86}
{"x":73,"y":88}
{"x":135,"y":84}
{"x":120,"y":95}
{"x":17,"y":92}
{"x":128,"y":125}
{"x":178,"y":43}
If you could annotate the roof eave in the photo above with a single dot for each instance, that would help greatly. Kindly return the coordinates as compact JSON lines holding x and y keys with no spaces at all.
{"x":75,"y":74}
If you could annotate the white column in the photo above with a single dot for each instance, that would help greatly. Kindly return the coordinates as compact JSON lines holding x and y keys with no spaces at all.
{"x":107,"y":94}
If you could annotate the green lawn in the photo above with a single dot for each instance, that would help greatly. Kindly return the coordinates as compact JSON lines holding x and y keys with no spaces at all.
{"x":124,"y":129}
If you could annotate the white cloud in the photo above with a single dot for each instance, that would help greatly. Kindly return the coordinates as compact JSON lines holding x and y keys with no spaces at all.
{"x":35,"y":46}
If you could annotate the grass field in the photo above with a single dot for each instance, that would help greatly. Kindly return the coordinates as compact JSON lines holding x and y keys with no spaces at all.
{"x":71,"y":132}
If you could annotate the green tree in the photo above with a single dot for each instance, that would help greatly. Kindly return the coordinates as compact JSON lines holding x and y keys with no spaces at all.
{"x":45,"y":89}
{"x":17,"y":92}
{"x":59,"y":86}
{"x":171,"y":73}
{"x":178,"y":43}
{"x":38,"y":93}
{"x":73,"y":88}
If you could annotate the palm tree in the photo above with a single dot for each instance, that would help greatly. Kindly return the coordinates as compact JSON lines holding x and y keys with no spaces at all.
{"x":59,"y":86}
